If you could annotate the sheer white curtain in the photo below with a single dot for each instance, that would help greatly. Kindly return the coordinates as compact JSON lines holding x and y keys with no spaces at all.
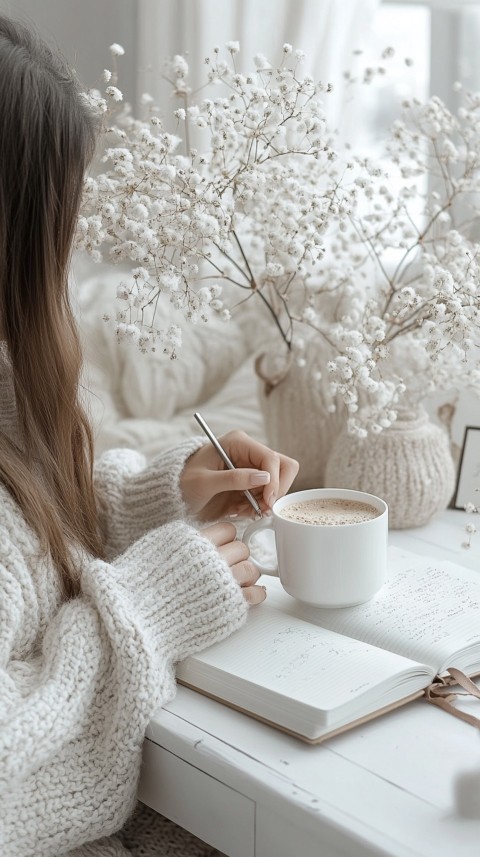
{"x":328,"y":31}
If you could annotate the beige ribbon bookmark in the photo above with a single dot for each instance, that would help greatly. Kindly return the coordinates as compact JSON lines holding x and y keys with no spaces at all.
{"x":440,"y":693}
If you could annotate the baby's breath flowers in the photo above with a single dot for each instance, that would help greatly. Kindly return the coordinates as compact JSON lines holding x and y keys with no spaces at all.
{"x":249,"y":191}
{"x":470,"y":528}
{"x":249,"y":206}
{"x":407,"y":269}
{"x":117,"y":50}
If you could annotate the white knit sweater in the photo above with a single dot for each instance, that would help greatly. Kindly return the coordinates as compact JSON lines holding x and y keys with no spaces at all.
{"x":79,"y":680}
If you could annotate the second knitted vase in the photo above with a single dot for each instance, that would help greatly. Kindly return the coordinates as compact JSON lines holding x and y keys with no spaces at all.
{"x":409,"y":465}
{"x":295,"y":407}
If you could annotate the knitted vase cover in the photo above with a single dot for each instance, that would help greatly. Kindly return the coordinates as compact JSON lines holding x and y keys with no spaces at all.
{"x":409,"y":465}
{"x":296,"y":416}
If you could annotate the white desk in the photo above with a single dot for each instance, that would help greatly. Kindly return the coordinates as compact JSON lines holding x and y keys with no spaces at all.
{"x":406,"y":784}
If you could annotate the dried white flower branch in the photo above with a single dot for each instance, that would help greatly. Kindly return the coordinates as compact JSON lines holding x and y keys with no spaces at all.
{"x":470,"y":528}
{"x":408,"y":269}
{"x":274,"y":207}
{"x":250,"y":209}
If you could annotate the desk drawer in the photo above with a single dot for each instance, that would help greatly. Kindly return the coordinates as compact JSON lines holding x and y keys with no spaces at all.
{"x":201,"y":804}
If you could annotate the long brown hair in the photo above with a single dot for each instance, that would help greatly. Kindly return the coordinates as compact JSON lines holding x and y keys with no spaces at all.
{"x":47,"y":139}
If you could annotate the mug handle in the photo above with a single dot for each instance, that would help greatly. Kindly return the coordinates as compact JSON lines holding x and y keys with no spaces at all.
{"x":256,"y":527}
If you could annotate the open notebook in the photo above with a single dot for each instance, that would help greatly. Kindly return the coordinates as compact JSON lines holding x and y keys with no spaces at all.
{"x":314,"y":672}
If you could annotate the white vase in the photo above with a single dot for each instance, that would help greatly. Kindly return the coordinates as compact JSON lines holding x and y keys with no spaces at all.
{"x":409,"y":465}
{"x":295,"y":401}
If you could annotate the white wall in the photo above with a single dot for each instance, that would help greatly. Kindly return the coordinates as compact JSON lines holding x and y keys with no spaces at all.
{"x":84,"y":30}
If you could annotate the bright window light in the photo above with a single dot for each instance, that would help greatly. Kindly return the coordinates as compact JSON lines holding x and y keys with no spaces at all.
{"x":406,"y":29}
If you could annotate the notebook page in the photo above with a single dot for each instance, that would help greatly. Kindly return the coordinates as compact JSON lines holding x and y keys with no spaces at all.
{"x":299,"y":662}
{"x":428,"y":610}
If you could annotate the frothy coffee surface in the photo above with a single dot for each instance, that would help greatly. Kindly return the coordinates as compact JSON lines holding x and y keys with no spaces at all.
{"x":329,"y":512}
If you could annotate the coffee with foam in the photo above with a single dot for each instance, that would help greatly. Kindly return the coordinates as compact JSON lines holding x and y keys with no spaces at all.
{"x":329,"y":512}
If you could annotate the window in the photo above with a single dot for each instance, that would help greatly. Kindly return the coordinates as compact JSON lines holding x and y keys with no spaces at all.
{"x":454,"y":33}
{"x":435,"y":45}
{"x":406,"y":30}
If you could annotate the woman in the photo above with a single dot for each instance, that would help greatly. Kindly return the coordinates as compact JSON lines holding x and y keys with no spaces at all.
{"x":105,"y":581}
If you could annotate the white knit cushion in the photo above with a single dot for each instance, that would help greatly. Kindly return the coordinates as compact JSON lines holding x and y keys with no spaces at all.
{"x":153,"y":385}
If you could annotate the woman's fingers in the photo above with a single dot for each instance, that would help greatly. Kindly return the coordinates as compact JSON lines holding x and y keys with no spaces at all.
{"x":253,"y":458}
{"x":273,"y":482}
{"x":246,"y":574}
{"x":254,"y":594}
{"x":211,"y":491}
{"x":288,"y":470}
{"x":236,"y":554}
{"x":220,"y":534}
{"x":239,"y":479}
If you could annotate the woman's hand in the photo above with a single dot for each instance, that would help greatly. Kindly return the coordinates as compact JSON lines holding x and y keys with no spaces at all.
{"x":236,"y":554}
{"x":211,"y":491}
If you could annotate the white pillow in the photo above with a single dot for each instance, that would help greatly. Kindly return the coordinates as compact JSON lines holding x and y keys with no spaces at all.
{"x":131,"y":394}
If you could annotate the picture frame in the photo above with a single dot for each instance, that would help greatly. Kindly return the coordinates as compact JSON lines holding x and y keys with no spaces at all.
{"x":468,"y":476}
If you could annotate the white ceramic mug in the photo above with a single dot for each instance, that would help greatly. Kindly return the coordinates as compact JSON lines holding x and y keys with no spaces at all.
{"x":322,"y":564}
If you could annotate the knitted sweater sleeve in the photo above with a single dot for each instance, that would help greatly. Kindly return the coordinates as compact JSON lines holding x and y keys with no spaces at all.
{"x":75,"y":698}
{"x":135,"y":497}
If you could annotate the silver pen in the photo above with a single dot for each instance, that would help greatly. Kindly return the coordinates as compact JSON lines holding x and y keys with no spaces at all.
{"x":223,"y":455}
